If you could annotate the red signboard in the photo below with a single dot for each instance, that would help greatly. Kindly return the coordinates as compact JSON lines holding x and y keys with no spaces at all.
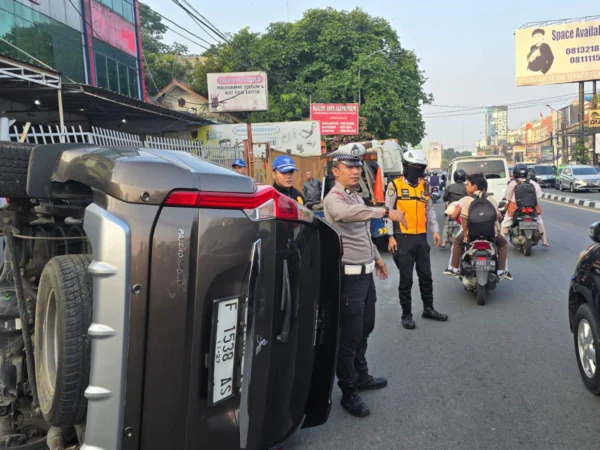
{"x":113,"y":29}
{"x":336,"y":118}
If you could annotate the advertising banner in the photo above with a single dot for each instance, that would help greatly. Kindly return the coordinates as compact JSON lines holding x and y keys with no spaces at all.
{"x":595,"y":118}
{"x":238,"y":92}
{"x":561,"y":53}
{"x":113,"y":29}
{"x":300,"y":138}
{"x":336,"y":118}
{"x":434,"y":156}
{"x":496,"y":125}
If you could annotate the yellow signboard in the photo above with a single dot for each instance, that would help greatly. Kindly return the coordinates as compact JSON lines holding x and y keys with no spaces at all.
{"x":595,"y":118}
{"x":561,"y":53}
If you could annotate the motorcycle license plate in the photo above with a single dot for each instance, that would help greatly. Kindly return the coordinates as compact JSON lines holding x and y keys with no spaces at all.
{"x":224,"y":349}
{"x":528,"y":226}
{"x":485,"y":264}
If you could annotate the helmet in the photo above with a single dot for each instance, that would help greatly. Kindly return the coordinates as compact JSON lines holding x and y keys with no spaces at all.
{"x":460,"y":176}
{"x":434,"y":173}
{"x":520,"y":171}
{"x":416,"y":157}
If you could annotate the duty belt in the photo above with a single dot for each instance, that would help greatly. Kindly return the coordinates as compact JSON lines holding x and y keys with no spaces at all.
{"x":359,"y":269}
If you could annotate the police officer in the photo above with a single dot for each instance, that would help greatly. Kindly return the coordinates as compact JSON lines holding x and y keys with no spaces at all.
{"x":284,"y":168}
{"x":239,"y":166}
{"x":410,"y":193}
{"x":347,"y":212}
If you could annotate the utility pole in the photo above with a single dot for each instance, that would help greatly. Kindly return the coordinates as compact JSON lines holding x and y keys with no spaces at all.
{"x":581,"y":112}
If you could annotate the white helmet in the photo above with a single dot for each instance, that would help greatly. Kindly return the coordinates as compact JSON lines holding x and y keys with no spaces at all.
{"x":415,"y":157}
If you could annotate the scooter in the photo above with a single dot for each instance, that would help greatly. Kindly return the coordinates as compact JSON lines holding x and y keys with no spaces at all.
{"x":478,"y":268}
{"x":453,"y":229}
{"x":524,"y":233}
{"x":435,"y":194}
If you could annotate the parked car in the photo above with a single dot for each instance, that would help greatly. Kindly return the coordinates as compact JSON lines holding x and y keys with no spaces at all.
{"x":153,"y":281}
{"x":576,"y":178}
{"x":584,"y":311}
{"x":494,"y":168}
{"x":544,"y":175}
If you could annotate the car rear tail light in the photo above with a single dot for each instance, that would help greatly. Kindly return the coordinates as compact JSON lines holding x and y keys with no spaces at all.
{"x":481,"y":245}
{"x":481,"y":258}
{"x":263,"y":204}
{"x":527,"y":210}
{"x":527,"y":219}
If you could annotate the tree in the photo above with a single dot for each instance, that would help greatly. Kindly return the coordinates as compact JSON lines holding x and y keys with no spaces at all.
{"x":580,"y":153}
{"x":448,"y":154}
{"x":318,"y":58}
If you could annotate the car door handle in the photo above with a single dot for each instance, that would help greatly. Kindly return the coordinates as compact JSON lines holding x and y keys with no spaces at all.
{"x":286,"y":305}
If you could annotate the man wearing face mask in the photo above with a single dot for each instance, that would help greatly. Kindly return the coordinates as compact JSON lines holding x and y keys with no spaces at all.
{"x":410,"y":194}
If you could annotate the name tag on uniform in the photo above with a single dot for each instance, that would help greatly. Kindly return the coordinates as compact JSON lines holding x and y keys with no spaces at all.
{"x":405,"y":193}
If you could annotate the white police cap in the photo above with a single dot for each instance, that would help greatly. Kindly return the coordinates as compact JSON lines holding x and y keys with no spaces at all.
{"x":350,"y":154}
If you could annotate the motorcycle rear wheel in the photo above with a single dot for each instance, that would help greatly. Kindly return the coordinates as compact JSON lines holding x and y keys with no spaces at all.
{"x":527,"y":247}
{"x":481,"y":295}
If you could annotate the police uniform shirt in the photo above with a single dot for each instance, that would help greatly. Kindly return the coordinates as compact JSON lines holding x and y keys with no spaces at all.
{"x":391,"y":197}
{"x":347,"y":212}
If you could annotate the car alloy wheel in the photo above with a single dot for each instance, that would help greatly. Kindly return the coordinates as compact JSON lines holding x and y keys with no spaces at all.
{"x":586,"y":348}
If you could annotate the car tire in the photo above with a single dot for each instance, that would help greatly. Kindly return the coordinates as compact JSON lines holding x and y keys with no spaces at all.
{"x":14,"y":164}
{"x":62,"y":345}
{"x":584,"y":313}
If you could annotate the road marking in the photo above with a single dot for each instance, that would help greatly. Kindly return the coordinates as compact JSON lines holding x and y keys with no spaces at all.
{"x":570,"y":206}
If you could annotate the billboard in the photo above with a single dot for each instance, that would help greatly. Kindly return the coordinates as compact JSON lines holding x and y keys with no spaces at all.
{"x":434,"y":155}
{"x":336,"y":118}
{"x":561,"y":53}
{"x":113,"y":29}
{"x":496,"y":125}
{"x":300,"y":138}
{"x":595,"y":118}
{"x":238,"y":92}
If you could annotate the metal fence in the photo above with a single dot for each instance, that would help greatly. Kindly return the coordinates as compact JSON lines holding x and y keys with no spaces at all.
{"x":221,"y":155}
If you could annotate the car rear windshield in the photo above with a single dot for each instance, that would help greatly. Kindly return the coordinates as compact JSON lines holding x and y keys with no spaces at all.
{"x":490,"y":169}
{"x":584,"y":171}
{"x":544,"y":170}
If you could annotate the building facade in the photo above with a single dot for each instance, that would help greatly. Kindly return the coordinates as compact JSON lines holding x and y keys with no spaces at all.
{"x":91,"y":42}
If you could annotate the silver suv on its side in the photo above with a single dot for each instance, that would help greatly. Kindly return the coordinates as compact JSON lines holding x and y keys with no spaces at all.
{"x":579,"y":178}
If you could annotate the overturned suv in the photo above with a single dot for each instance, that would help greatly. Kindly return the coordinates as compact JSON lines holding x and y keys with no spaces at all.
{"x":153,"y":300}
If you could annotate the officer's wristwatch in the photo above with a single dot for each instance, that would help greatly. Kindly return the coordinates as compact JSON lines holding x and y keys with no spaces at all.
{"x":387,"y":212}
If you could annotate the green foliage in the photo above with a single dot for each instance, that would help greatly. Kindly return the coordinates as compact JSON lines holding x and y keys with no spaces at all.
{"x":580,"y":153}
{"x":448,"y":154}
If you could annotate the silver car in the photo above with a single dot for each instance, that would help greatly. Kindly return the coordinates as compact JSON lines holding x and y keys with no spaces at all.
{"x":579,"y":178}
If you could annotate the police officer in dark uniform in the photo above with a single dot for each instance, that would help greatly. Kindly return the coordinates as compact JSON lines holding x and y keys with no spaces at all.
{"x":284,"y":169}
{"x":347,"y":212}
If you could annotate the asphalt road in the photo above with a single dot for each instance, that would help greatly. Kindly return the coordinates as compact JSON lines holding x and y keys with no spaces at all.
{"x":501,"y":376}
{"x":587,"y":195}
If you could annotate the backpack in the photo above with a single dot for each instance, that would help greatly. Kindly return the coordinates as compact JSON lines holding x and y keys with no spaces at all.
{"x":525,"y":195}
{"x":481,"y":221}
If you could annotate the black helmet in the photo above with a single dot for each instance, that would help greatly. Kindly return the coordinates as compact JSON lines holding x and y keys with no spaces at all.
{"x":520,"y":171}
{"x":460,"y":176}
{"x":434,"y":173}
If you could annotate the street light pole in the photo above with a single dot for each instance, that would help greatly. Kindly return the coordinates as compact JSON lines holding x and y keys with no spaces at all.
{"x":359,"y":69}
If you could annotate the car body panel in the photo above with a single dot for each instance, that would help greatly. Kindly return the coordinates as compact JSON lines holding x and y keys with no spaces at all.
{"x":585,"y":283}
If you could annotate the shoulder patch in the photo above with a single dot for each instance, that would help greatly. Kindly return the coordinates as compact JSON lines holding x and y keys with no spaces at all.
{"x":339,"y":194}
{"x":299,"y":200}
{"x":391,"y":192}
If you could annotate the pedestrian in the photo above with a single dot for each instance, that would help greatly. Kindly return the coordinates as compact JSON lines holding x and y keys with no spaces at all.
{"x":284,"y":168}
{"x":312,"y":188}
{"x":347,"y":212}
{"x":408,"y":243}
{"x":240,"y":167}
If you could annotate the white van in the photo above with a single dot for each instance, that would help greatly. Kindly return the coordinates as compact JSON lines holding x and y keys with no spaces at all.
{"x":493,"y":167}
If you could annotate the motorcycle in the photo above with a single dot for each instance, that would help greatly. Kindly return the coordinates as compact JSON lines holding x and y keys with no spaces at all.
{"x":435,"y":194}
{"x":524,"y":233}
{"x":478,"y":268}
{"x":453,"y":229}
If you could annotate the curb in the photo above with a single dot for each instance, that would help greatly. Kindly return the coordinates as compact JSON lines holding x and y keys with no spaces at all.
{"x":572,"y":200}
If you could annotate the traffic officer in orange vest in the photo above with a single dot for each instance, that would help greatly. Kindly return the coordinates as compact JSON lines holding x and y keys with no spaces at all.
{"x":410,"y":193}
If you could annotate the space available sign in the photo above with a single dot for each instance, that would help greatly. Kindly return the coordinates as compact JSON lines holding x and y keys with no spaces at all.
{"x":336,"y":118}
{"x":562,"y":53}
{"x":299,"y":138}
{"x":238,"y":92}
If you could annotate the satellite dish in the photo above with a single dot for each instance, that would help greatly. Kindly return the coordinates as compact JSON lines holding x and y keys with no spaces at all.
{"x":181,"y":102}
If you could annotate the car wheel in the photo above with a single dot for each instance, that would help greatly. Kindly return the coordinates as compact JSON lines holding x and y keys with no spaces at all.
{"x":14,"y":163}
{"x":585,"y":338}
{"x":62,"y":345}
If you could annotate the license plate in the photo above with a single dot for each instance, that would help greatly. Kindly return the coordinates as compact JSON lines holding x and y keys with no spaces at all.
{"x":224,"y":339}
{"x":486,"y":264}
{"x":528,"y":225}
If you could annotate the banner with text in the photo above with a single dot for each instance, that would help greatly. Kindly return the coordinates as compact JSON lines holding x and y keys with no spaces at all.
{"x":595,"y":118}
{"x":238,"y":92}
{"x":562,"y":53}
{"x":336,"y":118}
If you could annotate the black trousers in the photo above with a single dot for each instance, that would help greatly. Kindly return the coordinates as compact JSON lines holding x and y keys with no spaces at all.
{"x":413,"y":251}
{"x":357,"y":323}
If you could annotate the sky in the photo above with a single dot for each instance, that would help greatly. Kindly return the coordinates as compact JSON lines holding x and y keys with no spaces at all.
{"x":466,"y":49}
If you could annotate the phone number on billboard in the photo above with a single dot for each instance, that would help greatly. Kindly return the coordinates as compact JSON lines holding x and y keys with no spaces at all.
{"x":586,"y":49}
{"x":584,"y":59}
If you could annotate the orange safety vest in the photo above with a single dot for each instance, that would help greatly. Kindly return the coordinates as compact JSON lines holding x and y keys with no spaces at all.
{"x":412,"y":200}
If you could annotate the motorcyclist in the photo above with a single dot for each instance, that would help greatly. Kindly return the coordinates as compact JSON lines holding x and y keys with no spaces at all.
{"x":520,"y":174}
{"x":454,"y":193}
{"x":434,"y":180}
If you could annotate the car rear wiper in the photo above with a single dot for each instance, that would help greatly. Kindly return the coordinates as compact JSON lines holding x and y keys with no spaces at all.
{"x":286,"y":304}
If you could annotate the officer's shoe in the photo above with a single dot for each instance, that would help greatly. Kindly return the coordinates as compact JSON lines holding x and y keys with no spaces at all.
{"x":371,"y":383}
{"x":354,"y":404}
{"x":408,"y":322}
{"x":430,"y":313}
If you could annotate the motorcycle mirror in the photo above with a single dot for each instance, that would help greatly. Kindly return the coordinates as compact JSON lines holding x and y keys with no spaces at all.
{"x":595,"y":232}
